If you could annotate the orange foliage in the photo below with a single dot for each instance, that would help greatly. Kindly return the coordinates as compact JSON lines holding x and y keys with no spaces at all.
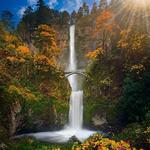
{"x":45,"y":34}
{"x":104,"y":17}
{"x":42,"y":62}
{"x":13,"y":59}
{"x":10,"y":38}
{"x":94,"y":54}
{"x":131,"y":41}
{"x":100,"y":143}
{"x":104,"y":21}
{"x":24,"y":50}
{"x":45,"y":40}
{"x":104,"y":29}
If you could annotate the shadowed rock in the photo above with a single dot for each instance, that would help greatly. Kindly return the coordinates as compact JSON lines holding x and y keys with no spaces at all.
{"x":3,"y":146}
{"x":74,"y":139}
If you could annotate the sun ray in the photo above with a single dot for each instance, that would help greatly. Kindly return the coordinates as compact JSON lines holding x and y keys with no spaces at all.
{"x":134,"y":14}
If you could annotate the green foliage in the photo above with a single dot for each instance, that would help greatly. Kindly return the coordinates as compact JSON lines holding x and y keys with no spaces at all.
{"x":32,"y":144}
{"x":136,"y":94}
{"x":7,"y":18}
{"x":137,"y":134}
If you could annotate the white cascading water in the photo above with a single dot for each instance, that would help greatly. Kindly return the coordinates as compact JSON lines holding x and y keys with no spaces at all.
{"x":74,"y":128}
{"x":76,"y":98}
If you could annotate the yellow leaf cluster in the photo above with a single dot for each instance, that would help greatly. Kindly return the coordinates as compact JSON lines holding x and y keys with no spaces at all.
{"x":94,"y":54}
{"x":138,"y":68}
{"x":10,"y":38}
{"x":11,"y":47}
{"x":56,"y":149}
{"x":14,"y":59}
{"x":42,"y":59}
{"x":131,"y":41}
{"x":107,"y":81}
{"x":44,"y":63}
{"x":24,"y":92}
{"x":137,"y":42}
{"x":100,"y":143}
{"x":123,"y":44}
{"x":147,"y":130}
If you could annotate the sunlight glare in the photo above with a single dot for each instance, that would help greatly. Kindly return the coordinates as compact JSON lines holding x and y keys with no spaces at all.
{"x":140,"y":2}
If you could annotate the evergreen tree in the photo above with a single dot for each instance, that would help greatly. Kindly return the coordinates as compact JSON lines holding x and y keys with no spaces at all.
{"x":80,"y":12}
{"x":28,"y":11}
{"x":40,"y":3}
{"x":42,"y":13}
{"x":64,"y":18}
{"x":73,"y":17}
{"x":7,"y":19}
{"x":85,"y":9}
{"x":103,"y":5}
{"x":27,"y":24}
{"x":94,"y":8}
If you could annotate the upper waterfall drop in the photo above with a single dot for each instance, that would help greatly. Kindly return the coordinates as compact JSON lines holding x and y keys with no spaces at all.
{"x":72,"y":56}
{"x":72,"y":59}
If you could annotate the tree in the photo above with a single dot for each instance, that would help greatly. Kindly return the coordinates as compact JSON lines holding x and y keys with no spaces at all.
{"x":40,"y":3}
{"x":45,"y":41}
{"x":27,"y":25}
{"x":73,"y":17}
{"x":94,"y":8}
{"x":103,"y":5}
{"x":80,"y":12}
{"x":28,"y":11}
{"x":135,"y":101}
{"x":7,"y":19}
{"x":104,"y":29}
{"x":85,"y":9}
{"x":64,"y":18}
{"x":42,"y":13}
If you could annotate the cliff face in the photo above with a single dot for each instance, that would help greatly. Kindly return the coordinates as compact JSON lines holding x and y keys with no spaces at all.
{"x":41,"y":105}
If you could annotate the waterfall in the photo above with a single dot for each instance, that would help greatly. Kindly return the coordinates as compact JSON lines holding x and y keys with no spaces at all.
{"x":76,"y":98}
{"x":74,"y":127}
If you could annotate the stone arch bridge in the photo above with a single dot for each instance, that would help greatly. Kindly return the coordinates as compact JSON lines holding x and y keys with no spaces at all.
{"x":77,"y":72}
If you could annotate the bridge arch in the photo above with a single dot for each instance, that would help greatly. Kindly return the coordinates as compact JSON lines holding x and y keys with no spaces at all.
{"x":68,"y":74}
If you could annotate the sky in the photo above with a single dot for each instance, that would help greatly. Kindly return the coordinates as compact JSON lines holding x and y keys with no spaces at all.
{"x":17,"y":7}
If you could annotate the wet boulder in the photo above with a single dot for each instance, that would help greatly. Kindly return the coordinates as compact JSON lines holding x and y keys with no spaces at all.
{"x":74,"y":139}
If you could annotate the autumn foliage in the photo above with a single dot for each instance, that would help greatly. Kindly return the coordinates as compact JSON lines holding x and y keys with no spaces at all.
{"x":95,"y":54}
{"x":45,"y":41}
{"x":100,"y":143}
